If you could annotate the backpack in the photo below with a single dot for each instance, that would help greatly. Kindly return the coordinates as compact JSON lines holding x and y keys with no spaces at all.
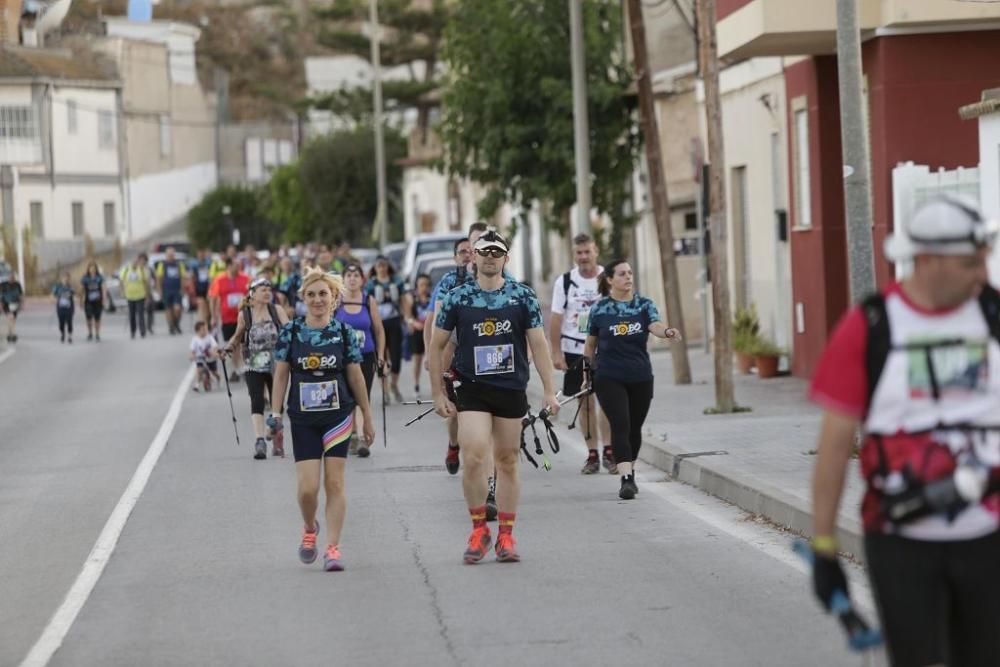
{"x":567,"y":283}
{"x":880,"y":340}
{"x":248,"y":321}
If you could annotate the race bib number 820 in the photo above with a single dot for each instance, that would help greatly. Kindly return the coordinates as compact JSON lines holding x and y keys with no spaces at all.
{"x":319,"y":396}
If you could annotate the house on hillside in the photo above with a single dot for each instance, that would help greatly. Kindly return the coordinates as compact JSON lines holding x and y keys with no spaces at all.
{"x":168,"y":121}
{"x":60,"y":149}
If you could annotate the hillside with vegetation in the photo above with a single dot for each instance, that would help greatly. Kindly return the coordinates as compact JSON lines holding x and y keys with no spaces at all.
{"x":261,"y":43}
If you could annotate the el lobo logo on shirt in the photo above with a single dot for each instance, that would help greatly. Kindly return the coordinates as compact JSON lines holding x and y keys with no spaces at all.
{"x":625,"y":328}
{"x":318,"y":362}
{"x":493,"y":327}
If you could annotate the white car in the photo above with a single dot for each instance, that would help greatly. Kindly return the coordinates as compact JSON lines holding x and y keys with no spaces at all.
{"x":424,"y":244}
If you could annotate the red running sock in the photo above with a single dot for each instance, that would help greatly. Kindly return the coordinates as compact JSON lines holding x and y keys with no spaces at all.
{"x":506,"y":522}
{"x":478,"y":515}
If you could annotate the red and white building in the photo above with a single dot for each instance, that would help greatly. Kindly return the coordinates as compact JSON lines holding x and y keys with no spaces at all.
{"x":922,"y":61}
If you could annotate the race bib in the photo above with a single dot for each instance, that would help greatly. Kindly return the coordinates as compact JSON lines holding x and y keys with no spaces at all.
{"x":583,"y":323}
{"x":133,"y":276}
{"x":261,"y":361}
{"x":203,"y":275}
{"x":13,"y":307}
{"x":494,"y":359}
{"x":173,"y":272}
{"x":94,"y":295}
{"x":65,"y":302}
{"x":361,"y":337}
{"x":234,"y":299}
{"x":319,"y":396}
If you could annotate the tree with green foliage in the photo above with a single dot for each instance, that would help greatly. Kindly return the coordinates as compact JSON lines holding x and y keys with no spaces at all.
{"x":336,"y":174}
{"x":209,"y":227}
{"x":507,"y":108}
{"x":411,"y":37}
{"x":288,"y":206}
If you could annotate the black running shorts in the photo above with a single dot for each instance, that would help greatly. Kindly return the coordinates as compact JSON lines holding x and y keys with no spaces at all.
{"x":227,"y":332}
{"x":480,"y":397}
{"x":312,"y":441}
{"x":93,"y":310}
{"x":573,"y":375}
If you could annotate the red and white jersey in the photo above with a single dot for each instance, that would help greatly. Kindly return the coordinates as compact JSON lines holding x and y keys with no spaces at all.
{"x":943,"y":369}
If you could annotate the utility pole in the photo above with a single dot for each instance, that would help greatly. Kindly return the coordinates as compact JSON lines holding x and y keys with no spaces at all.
{"x":708,"y":61}
{"x":581,"y":125}
{"x":854,"y":139}
{"x":381,"y":215}
{"x":658,"y":191}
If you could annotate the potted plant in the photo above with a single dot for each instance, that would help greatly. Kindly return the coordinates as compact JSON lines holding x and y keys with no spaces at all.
{"x":766,"y":355}
{"x":746,"y":327}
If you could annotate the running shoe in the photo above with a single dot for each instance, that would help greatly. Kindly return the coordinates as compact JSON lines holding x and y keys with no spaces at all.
{"x":627,"y":490}
{"x":491,"y":507}
{"x":331,"y":559}
{"x":479,"y":544}
{"x":593,"y":464}
{"x":609,"y":461}
{"x":451,"y":460}
{"x":506,"y":549}
{"x":364,"y":452}
{"x":307,"y":550}
{"x":352,"y":445}
{"x":278,"y":445}
{"x":260,"y":449}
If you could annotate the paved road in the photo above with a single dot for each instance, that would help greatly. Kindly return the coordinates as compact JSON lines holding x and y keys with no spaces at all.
{"x":205,"y":572}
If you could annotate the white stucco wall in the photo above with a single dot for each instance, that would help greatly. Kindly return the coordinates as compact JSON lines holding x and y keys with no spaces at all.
{"x":80,"y":152}
{"x":156,"y":199}
{"x":749,"y":128}
{"x":57,"y":207}
{"x":989,"y":178}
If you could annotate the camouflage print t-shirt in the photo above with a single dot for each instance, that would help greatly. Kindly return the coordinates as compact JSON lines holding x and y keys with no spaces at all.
{"x":491,"y":328}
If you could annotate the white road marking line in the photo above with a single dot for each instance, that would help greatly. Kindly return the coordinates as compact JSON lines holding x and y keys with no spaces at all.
{"x":7,"y":355}
{"x":62,"y":620}
{"x":720,"y":515}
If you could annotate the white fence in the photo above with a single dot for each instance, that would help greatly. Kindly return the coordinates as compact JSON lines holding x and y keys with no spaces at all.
{"x":914,"y":184}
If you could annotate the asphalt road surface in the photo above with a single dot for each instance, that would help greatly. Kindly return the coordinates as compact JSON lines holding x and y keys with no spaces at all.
{"x":205,"y":570}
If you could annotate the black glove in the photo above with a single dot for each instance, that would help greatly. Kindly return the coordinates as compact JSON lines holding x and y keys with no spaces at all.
{"x":828,"y":577}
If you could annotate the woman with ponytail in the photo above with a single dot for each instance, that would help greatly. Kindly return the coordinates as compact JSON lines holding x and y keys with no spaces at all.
{"x":619,"y":328}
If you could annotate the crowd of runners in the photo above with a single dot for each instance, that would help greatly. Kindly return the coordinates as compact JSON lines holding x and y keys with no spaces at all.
{"x":913,"y":369}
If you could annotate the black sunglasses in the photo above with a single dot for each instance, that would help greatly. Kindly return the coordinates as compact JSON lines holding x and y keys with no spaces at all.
{"x":495,"y":253}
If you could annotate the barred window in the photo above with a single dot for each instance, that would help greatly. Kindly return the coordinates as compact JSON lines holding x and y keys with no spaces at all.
{"x":18,"y":123}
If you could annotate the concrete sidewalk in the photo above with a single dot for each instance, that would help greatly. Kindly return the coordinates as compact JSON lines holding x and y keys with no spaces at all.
{"x":761,"y":461}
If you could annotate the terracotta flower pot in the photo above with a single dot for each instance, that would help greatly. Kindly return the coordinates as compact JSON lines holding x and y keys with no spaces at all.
{"x":767,"y":366}
{"x":744,"y":362}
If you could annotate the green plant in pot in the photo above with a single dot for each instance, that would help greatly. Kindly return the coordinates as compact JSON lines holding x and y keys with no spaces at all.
{"x":766,"y":355}
{"x":746,"y":328}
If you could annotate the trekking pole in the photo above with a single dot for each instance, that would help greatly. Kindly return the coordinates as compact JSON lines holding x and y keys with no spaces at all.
{"x":417,"y":402}
{"x":860,"y":636}
{"x":418,"y":417}
{"x":385,"y":399}
{"x":232,"y":410}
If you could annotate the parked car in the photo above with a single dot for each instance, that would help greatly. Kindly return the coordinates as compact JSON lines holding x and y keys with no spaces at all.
{"x":423,"y":244}
{"x":179,"y":246}
{"x":396,"y":252}
{"x":437,"y":268}
{"x":432,"y":260}
{"x":366,"y":256}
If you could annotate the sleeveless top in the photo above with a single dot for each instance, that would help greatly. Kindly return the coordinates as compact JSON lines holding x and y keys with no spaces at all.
{"x":360,"y":322}
{"x":262,"y":336}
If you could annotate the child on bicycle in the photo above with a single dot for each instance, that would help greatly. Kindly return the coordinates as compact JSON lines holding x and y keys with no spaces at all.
{"x":205,"y":353}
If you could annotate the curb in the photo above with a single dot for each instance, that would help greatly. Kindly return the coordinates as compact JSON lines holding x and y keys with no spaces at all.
{"x":745,"y":491}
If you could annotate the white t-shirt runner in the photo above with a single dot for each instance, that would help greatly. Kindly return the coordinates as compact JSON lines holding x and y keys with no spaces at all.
{"x":574,"y":306}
